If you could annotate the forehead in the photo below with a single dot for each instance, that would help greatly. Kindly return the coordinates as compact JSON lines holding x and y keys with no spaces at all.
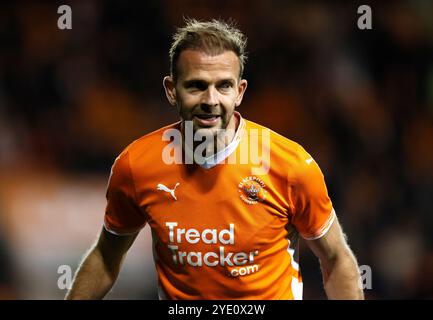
{"x":199,"y":64}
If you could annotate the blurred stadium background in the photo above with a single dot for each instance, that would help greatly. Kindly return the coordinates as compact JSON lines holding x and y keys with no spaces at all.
{"x":360,"y":101}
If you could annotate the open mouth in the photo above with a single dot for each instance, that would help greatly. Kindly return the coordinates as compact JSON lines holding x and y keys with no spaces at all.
{"x":207,"y":119}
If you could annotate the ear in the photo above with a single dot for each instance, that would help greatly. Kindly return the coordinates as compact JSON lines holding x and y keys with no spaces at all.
{"x":170,"y":89}
{"x":241,"y":90}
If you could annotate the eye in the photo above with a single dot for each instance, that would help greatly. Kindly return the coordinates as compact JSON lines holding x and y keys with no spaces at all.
{"x":226,"y":85}
{"x":196,"y":85}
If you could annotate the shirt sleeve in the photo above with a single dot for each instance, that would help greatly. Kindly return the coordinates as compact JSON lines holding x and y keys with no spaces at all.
{"x":313,"y":213}
{"x":122,"y":214}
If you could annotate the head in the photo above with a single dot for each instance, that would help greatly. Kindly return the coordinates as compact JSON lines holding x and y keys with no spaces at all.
{"x":207,"y":62}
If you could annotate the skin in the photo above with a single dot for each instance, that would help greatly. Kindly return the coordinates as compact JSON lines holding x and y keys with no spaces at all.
{"x":210,"y":84}
{"x":207,"y":85}
{"x":100,"y":267}
{"x":338,"y":264}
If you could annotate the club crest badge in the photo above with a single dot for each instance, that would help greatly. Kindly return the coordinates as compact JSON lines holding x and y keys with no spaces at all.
{"x":252,"y":190}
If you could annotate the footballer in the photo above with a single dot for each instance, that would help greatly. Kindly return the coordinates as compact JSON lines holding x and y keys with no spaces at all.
{"x":227,"y":200}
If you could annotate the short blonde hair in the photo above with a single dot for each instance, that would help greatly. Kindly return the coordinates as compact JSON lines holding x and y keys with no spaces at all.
{"x":213,"y":37}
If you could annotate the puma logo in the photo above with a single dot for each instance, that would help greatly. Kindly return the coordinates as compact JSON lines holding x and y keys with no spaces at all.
{"x":162,"y":187}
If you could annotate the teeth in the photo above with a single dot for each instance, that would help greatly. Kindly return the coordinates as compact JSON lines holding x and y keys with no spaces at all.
{"x":206,"y":116}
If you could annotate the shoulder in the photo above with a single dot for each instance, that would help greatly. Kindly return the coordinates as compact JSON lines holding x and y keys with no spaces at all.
{"x":142,"y":151}
{"x":146,"y":147}
{"x":149,"y":142}
{"x":283,"y":150}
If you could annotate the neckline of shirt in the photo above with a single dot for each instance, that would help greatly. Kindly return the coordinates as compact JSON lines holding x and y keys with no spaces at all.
{"x":223,"y":154}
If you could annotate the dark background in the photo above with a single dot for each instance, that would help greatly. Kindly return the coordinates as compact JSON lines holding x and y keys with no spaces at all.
{"x":360,"y":101}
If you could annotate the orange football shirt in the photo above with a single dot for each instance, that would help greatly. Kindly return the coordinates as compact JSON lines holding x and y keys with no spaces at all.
{"x":222,"y":229}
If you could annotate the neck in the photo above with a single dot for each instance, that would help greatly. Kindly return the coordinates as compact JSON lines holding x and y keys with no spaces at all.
{"x":223,"y":140}
{"x":220,"y":140}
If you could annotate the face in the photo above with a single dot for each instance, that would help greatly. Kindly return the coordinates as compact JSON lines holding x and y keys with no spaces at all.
{"x":207,"y":90}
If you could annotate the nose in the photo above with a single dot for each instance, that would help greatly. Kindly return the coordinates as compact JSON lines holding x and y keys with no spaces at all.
{"x":210,"y":96}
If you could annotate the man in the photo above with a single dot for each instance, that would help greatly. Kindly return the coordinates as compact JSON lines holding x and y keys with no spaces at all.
{"x":222,"y":228}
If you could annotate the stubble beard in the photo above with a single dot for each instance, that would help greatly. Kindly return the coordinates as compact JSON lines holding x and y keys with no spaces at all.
{"x":218,"y":137}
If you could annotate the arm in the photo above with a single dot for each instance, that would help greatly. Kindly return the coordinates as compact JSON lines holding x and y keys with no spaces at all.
{"x":99,"y":270}
{"x":339,"y":266}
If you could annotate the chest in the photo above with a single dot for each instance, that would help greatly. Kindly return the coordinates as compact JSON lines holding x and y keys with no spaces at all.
{"x":191,"y":207}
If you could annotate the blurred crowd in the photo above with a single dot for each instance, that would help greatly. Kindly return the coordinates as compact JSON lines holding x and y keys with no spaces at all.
{"x":360,"y":101}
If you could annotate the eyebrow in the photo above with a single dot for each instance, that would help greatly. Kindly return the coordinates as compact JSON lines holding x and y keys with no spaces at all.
{"x":191,"y":82}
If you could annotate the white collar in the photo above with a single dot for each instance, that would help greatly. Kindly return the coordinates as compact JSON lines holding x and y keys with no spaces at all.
{"x":223,"y":154}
